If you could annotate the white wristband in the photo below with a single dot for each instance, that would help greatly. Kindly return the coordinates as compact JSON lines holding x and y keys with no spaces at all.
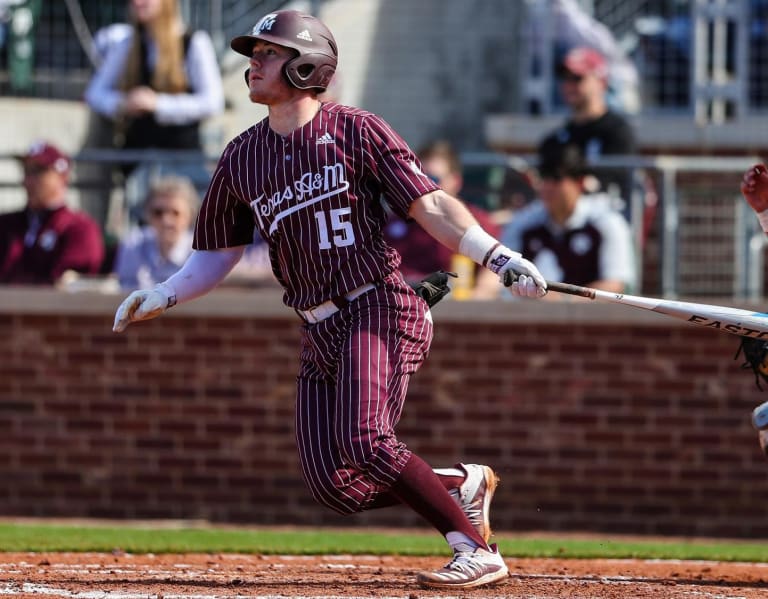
{"x":485,"y":249}
{"x":762,"y":218}
{"x":477,"y":244}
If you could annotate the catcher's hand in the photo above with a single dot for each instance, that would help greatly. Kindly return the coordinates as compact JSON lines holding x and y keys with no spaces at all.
{"x":754,"y":187}
{"x":140,"y":305}
{"x":755,"y":357}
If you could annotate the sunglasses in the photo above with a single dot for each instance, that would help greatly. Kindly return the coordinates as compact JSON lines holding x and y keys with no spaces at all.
{"x":571,"y":78}
{"x":551,"y":173}
{"x":158,"y":212}
{"x":35,"y":169}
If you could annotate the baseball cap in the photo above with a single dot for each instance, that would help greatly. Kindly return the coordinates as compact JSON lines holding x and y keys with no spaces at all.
{"x":46,"y":155}
{"x":584,"y":61}
{"x":558,"y":160}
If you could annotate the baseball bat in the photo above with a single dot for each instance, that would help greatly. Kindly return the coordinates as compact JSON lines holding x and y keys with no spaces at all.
{"x":719,"y":318}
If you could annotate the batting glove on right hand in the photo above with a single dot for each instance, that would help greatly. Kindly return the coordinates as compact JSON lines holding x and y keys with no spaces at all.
{"x":527,"y":280}
{"x":525,"y":286}
{"x":140,"y":305}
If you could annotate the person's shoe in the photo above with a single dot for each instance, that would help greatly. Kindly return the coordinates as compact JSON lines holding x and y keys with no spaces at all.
{"x":474,"y":496}
{"x":466,"y":570}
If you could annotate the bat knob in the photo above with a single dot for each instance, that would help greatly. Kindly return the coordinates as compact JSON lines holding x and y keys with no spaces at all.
{"x":510,"y":277}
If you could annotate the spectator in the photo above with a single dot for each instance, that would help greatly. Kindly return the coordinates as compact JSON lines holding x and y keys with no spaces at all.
{"x":46,"y":239}
{"x":158,"y":84}
{"x":570,"y":235}
{"x":420,"y":255}
{"x":254,"y":268}
{"x":591,"y":124}
{"x":152,"y":253}
{"x":566,"y":25}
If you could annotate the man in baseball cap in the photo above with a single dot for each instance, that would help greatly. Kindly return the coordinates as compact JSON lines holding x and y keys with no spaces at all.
{"x":584,"y":61}
{"x":591,"y":124}
{"x":44,"y":240}
{"x":43,"y":155}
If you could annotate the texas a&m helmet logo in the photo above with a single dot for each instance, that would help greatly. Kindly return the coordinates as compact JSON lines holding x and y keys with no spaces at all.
{"x":265,"y":24}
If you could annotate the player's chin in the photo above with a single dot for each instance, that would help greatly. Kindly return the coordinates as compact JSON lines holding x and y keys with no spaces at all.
{"x":257,"y":96}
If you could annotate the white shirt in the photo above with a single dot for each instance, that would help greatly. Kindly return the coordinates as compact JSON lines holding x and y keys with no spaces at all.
{"x":616,"y":257}
{"x":206,"y":98}
{"x":139,"y":265}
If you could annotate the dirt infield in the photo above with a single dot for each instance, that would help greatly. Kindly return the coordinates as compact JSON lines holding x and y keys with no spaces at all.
{"x":126,"y":576}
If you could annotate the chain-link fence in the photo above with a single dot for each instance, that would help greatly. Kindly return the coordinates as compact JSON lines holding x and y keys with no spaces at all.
{"x":60,"y":52}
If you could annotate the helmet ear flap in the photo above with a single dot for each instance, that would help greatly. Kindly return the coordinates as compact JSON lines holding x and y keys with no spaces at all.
{"x":304,"y":72}
{"x":298,"y":72}
{"x":324,"y":75}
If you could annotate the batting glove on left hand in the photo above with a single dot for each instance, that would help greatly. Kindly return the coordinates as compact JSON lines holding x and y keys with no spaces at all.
{"x":141,"y":305}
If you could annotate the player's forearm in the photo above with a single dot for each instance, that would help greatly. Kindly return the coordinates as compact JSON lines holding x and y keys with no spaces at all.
{"x":202,"y":271}
{"x":444,"y":217}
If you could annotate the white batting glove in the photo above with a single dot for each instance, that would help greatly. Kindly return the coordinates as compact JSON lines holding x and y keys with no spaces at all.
{"x":529,"y":282}
{"x":525,"y":286}
{"x":142,"y":305}
{"x":487,"y":251}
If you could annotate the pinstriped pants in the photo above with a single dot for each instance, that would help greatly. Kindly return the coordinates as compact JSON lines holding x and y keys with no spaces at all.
{"x":354,"y":374}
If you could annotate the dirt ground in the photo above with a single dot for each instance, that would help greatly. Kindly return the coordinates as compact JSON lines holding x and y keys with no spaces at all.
{"x":127,"y":576}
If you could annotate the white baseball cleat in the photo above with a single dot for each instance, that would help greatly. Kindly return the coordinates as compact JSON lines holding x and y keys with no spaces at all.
{"x":474,"y":496}
{"x":760,"y":422}
{"x":467,"y":569}
{"x":760,"y":416}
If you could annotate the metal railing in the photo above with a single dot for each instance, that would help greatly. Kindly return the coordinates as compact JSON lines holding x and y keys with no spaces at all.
{"x":699,"y":239}
{"x":694,"y":235}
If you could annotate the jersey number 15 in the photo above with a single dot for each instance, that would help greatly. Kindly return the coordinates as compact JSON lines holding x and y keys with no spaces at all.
{"x":343,"y":233}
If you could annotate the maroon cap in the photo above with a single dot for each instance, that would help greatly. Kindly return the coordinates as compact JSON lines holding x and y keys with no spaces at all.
{"x":46,"y":155}
{"x":585,"y":61}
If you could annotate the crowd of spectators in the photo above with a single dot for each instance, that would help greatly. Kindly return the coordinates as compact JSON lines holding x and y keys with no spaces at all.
{"x":158,"y":81}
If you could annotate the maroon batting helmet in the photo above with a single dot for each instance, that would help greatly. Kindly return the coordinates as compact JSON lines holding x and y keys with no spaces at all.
{"x":317,"y":53}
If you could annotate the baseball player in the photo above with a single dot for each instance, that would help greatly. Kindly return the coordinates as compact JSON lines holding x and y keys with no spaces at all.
{"x":754,"y":188}
{"x":310,"y":178}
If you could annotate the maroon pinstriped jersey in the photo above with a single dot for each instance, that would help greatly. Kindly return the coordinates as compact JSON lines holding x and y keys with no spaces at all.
{"x":315,"y":197}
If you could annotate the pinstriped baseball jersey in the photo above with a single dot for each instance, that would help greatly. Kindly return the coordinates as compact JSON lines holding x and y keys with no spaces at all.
{"x":315,"y":197}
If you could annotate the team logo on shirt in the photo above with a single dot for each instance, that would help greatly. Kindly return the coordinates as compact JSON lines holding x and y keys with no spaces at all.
{"x":415,"y":168}
{"x":306,"y":191}
{"x":581,"y":243}
{"x":47,"y":240}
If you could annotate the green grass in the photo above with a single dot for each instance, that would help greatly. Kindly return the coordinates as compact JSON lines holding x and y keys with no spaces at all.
{"x":22,"y":537}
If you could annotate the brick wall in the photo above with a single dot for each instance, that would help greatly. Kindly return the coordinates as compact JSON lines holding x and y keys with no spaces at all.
{"x":598,"y":417}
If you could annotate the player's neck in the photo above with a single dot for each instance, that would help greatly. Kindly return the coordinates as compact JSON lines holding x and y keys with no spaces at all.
{"x":290,"y":115}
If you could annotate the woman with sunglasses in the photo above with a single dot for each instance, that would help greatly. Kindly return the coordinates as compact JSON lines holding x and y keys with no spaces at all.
{"x":152,"y":253}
